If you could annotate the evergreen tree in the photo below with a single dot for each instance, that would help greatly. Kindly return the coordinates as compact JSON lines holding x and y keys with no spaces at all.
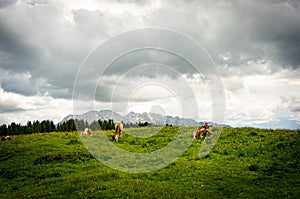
{"x":3,"y":130}
{"x":52,"y":126}
{"x":94,"y":125}
{"x":43,"y":126}
{"x":29,"y":128}
{"x":58,"y":128}
{"x":12,"y":129}
{"x":36,"y":126}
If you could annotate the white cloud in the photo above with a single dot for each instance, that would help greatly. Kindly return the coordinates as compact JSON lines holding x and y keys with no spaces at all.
{"x":24,"y":83}
{"x":264,"y":98}
{"x":20,"y":108}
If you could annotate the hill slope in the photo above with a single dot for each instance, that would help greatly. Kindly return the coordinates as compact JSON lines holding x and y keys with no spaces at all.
{"x":245,"y":163}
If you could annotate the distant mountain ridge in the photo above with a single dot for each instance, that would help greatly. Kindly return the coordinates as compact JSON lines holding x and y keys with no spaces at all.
{"x":132,"y":117}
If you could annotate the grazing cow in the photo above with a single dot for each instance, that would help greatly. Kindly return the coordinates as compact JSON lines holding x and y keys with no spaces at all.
{"x":199,"y":133}
{"x":87,"y":131}
{"x":202,"y":132}
{"x":118,"y":131}
{"x":6,"y":138}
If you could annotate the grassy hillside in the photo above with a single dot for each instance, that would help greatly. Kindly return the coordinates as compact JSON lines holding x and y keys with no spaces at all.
{"x":245,"y":162}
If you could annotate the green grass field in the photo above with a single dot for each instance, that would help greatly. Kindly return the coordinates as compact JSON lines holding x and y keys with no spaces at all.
{"x":245,"y":163}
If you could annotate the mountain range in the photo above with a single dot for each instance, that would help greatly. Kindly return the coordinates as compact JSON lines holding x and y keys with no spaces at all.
{"x":133,"y":118}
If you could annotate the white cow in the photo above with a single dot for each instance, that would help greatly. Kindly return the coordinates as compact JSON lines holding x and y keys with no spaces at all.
{"x":87,"y":131}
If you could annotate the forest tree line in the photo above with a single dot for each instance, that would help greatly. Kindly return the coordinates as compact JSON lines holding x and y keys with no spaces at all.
{"x":47,"y":126}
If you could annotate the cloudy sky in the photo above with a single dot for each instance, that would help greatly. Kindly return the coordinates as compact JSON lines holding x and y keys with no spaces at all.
{"x":235,"y":62}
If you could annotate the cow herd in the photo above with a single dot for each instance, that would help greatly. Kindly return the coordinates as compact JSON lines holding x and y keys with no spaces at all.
{"x":115,"y":137}
{"x":202,"y":132}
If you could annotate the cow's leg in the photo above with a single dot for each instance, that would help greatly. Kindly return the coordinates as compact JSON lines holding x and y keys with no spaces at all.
{"x":194,"y":134}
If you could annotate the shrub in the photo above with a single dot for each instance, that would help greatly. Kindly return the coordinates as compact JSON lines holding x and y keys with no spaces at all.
{"x":253,"y":167}
{"x":252,"y":133}
{"x":63,"y":157}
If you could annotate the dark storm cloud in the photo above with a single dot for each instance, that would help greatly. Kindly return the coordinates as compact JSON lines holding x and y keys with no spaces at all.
{"x":39,"y":41}
{"x":152,"y":49}
{"x":263,"y":30}
{"x":38,"y":38}
{"x":247,"y":30}
{"x":156,"y":61}
{"x":278,"y":25}
{"x":13,"y":44}
{"x":5,"y":3}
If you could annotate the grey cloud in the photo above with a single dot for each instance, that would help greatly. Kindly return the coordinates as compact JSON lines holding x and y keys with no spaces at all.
{"x":294,"y":103}
{"x":275,"y":28}
{"x":146,"y":58}
{"x":150,"y":63}
{"x":9,"y":105}
{"x":36,"y":2}
{"x":137,"y":2}
{"x":278,"y":25}
{"x":124,"y":89}
{"x":249,"y":30}
{"x":50,"y":48}
{"x":295,"y":109}
{"x":14,"y":46}
{"x":25,"y":84}
{"x":94,"y":24}
{"x":5,"y":3}
{"x":5,"y":108}
{"x":9,"y":102}
{"x":43,"y":42}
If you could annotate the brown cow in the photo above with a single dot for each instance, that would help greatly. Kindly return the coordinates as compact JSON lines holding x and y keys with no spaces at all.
{"x":202,"y":132}
{"x":118,"y":131}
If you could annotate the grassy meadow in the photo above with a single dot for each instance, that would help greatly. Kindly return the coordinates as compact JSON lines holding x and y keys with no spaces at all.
{"x":245,"y":163}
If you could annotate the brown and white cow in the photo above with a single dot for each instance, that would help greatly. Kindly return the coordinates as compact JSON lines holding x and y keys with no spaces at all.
{"x":118,"y":131}
{"x":202,"y":132}
{"x":6,"y":138}
{"x":87,"y":131}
